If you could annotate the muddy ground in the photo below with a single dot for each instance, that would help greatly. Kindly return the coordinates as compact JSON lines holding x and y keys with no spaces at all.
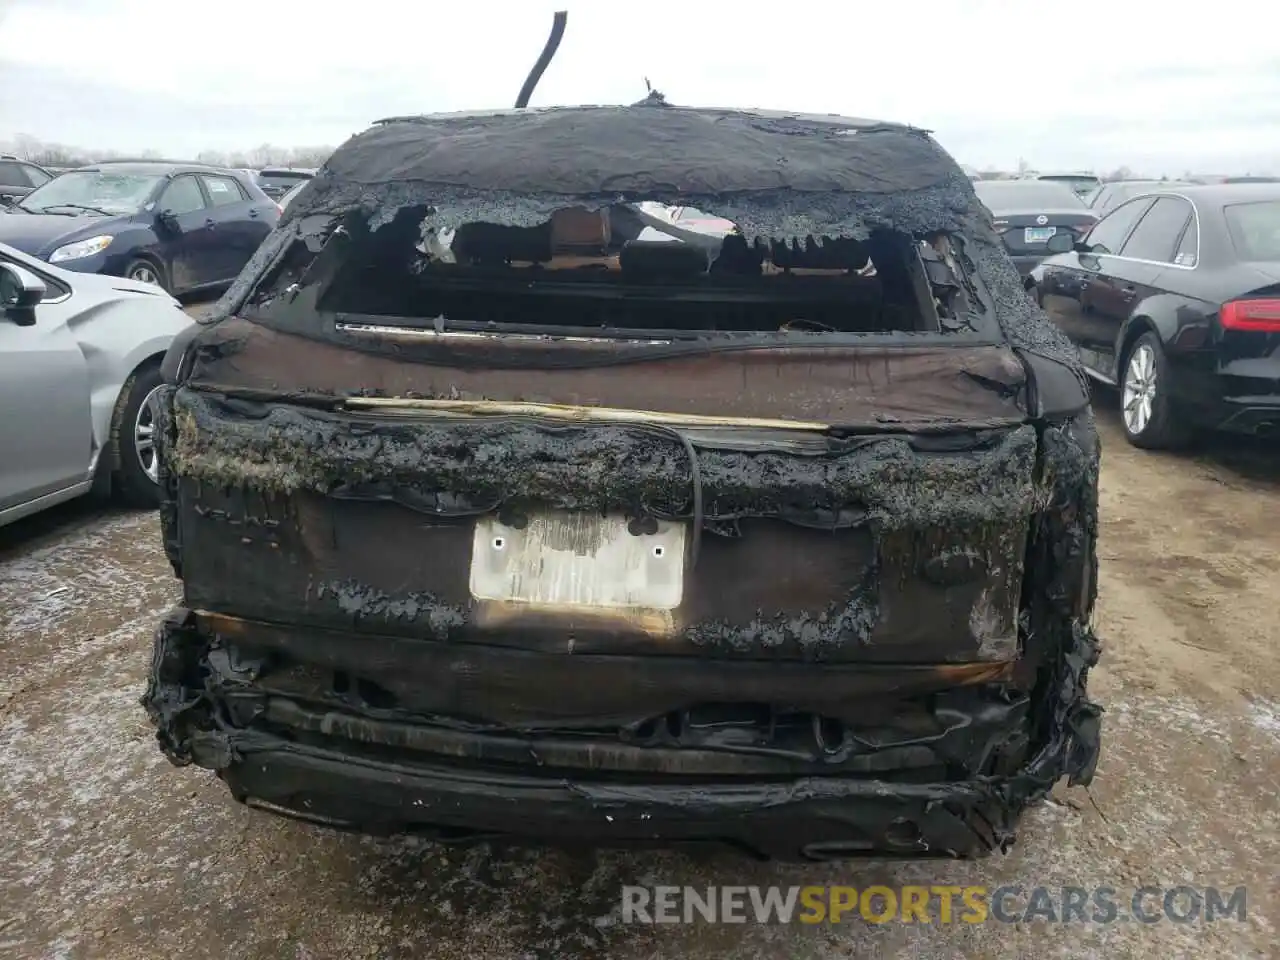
{"x":108,"y":851}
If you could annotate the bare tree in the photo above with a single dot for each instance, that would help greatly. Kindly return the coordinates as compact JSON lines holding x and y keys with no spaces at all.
{"x":310,"y":156}
{"x":268,"y":155}
{"x":25,"y":145}
{"x":59,"y":155}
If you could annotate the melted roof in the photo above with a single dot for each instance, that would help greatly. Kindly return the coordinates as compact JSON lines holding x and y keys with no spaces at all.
{"x":645,"y":149}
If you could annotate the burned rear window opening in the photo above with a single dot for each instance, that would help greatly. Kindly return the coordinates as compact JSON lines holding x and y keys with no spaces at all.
{"x":773,"y":175}
{"x":623,"y":270}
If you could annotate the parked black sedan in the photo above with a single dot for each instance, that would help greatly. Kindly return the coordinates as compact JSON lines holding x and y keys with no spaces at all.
{"x":1027,"y":213}
{"x":1175,"y":297}
{"x":183,"y":227}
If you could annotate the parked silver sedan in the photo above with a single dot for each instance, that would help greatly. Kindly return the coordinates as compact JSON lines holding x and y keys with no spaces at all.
{"x":79,"y":369}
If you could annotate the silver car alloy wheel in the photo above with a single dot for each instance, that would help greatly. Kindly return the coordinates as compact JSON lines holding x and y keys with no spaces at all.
{"x":144,"y":436}
{"x":144,"y":274}
{"x":1139,"y":393}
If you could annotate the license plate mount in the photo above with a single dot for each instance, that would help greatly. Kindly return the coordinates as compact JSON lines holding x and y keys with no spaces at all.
{"x":578,"y":560}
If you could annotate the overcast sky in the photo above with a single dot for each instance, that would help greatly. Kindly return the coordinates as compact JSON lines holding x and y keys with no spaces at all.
{"x":1061,"y":85}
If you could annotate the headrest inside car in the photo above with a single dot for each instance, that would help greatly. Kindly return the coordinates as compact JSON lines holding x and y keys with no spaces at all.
{"x":661,"y":258}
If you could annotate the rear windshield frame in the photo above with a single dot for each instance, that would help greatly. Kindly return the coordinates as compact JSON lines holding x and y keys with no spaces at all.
{"x":977,"y":325}
{"x":842,"y":178}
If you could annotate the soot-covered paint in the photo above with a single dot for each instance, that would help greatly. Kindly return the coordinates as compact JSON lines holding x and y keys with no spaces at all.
{"x":485,"y":462}
{"x":949,"y":662}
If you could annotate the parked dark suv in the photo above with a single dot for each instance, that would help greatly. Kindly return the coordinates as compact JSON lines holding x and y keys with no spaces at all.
{"x":180,"y":226}
{"x":505,"y":506}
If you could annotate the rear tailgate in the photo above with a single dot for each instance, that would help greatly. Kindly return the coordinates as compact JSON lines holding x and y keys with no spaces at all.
{"x":722,"y":531}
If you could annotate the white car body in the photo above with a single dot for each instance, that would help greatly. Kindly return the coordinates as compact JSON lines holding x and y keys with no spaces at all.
{"x":62,"y":379}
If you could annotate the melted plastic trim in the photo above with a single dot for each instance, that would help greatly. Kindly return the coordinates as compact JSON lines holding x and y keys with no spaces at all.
{"x":807,"y":817}
{"x":570,"y":412}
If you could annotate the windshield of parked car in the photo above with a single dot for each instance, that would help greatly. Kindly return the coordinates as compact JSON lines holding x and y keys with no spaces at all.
{"x":1025,"y":195}
{"x":92,"y":192}
{"x":1255,"y":229}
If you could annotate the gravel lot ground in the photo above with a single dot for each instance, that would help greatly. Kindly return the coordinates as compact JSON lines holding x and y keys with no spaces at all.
{"x":108,"y":851}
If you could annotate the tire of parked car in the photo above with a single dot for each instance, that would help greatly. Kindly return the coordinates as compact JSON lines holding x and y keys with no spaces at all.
{"x":1145,"y":408}
{"x":145,"y":271}
{"x":132,"y":428}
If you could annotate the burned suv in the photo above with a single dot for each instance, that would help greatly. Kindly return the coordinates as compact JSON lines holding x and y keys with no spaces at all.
{"x":508,"y":503}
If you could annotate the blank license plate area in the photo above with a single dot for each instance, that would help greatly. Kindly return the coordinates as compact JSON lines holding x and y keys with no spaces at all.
{"x":1038,"y":234}
{"x":561,"y":558}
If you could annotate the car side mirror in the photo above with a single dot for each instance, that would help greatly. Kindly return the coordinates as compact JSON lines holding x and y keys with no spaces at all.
{"x":20,"y":292}
{"x":1061,"y":243}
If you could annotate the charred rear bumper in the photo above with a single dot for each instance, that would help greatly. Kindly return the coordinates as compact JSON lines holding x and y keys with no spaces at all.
{"x":932,"y":760}
{"x":814,"y":818}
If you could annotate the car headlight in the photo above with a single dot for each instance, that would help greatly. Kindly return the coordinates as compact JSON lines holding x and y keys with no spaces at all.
{"x":80,"y":249}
